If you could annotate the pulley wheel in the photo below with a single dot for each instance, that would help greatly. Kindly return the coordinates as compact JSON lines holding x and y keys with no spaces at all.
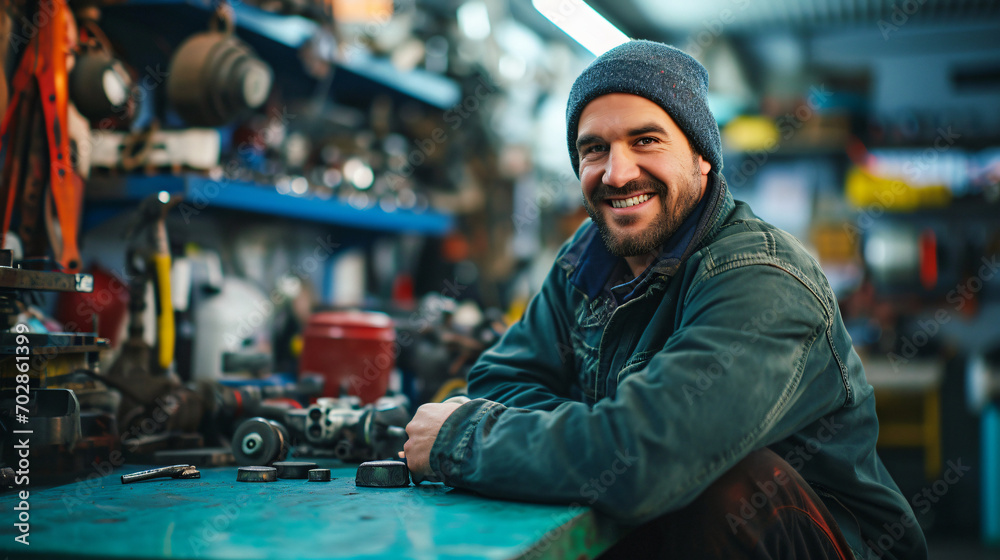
{"x":259,"y":441}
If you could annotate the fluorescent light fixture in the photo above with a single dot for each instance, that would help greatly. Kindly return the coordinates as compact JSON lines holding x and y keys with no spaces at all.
{"x":582,"y":23}
{"x":474,"y":20}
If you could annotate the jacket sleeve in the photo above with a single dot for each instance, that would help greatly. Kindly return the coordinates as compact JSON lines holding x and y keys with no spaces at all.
{"x":720,"y":388}
{"x":531,"y":366}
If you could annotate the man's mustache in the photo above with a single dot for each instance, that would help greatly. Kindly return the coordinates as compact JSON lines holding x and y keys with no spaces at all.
{"x":632,"y":188}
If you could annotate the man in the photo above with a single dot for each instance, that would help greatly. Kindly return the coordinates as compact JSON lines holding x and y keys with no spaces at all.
{"x":685,"y":367}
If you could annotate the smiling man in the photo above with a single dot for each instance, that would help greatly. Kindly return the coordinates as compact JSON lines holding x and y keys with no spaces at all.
{"x":685,"y":368}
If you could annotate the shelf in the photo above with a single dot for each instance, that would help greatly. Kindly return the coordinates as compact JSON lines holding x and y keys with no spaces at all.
{"x":105,"y":198}
{"x":276,"y":38}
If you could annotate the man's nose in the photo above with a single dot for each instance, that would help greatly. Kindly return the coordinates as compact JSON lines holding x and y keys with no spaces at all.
{"x":620,"y":167}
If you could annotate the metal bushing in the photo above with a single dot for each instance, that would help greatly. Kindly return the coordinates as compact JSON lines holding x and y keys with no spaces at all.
{"x":319,"y":475}
{"x":257,"y":474}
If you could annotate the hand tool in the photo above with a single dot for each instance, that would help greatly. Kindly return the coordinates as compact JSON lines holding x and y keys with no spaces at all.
{"x":294,"y":469}
{"x":173,"y":471}
{"x":257,"y":474}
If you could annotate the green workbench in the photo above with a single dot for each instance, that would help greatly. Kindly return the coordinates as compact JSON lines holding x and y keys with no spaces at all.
{"x":216,"y":517}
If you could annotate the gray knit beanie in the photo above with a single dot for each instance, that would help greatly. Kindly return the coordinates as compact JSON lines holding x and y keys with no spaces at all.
{"x":666,"y":76}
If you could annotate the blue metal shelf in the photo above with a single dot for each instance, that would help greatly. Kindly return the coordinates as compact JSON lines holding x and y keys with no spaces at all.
{"x":202,"y":194}
{"x":291,"y":32}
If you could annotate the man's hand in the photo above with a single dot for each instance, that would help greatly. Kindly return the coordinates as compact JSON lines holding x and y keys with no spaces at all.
{"x":422,"y":431}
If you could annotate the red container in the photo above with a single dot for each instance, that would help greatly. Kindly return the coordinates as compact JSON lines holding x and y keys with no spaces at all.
{"x":354,"y":351}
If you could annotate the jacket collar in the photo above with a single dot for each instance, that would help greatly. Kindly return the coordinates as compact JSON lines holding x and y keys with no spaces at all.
{"x":590,"y":266}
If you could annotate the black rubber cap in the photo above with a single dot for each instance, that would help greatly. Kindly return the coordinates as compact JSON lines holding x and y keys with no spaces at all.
{"x":383,"y":474}
{"x":294,"y":469}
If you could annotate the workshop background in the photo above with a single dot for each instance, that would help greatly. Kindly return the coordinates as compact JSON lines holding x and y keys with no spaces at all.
{"x":274,"y":201}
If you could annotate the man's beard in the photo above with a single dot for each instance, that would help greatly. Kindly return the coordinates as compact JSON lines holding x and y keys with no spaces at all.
{"x":663,"y":227}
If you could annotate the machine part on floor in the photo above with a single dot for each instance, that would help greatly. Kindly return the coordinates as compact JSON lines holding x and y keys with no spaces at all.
{"x":156,"y":408}
{"x":8,"y":478}
{"x":231,"y":402}
{"x":343,"y":429}
{"x":444,"y":348}
{"x":383,"y":474}
{"x":54,"y":421}
{"x":294,"y":469}
{"x":56,"y":418}
{"x":319,"y":475}
{"x":259,"y":441}
{"x":173,"y":471}
{"x":257,"y":474}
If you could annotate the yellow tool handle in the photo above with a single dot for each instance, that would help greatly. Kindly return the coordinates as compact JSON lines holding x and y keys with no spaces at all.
{"x":165,"y":319}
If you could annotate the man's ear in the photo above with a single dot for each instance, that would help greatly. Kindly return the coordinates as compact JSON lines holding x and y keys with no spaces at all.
{"x":705,"y":166}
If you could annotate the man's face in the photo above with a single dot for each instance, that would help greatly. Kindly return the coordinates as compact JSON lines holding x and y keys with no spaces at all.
{"x":639,"y":175}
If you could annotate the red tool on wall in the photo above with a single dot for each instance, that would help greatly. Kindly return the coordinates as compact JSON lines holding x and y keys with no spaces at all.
{"x":38,"y":110}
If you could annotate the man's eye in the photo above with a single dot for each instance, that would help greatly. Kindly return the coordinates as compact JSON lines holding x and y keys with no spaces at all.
{"x":646,"y":140}
{"x":593,"y":149}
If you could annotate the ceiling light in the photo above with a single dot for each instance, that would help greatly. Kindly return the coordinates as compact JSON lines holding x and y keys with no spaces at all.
{"x":474,"y":20}
{"x":582,"y":23}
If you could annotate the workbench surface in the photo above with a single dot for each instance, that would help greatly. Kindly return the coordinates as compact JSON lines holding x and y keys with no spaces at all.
{"x":217,"y":517}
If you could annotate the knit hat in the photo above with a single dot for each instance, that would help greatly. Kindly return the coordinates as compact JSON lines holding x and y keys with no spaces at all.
{"x":663,"y":74}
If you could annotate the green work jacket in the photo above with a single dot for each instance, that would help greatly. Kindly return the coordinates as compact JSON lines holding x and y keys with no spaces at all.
{"x":632,"y":396}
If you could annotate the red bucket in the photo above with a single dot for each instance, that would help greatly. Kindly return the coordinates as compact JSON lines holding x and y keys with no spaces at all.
{"x":354,"y":351}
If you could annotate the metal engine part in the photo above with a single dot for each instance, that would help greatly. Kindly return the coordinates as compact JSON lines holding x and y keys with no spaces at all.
{"x":351,"y":432}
